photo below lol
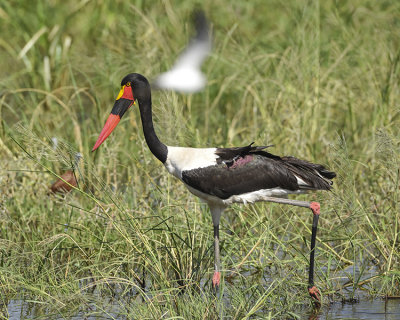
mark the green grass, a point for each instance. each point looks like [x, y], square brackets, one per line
[319, 80]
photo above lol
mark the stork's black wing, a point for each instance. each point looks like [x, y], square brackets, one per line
[246, 169]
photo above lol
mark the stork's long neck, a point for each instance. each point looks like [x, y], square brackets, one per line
[158, 148]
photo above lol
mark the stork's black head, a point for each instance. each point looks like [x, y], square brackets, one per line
[134, 86]
[139, 85]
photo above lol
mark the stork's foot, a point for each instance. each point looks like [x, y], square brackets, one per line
[216, 280]
[315, 294]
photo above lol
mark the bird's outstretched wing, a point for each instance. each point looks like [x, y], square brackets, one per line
[248, 169]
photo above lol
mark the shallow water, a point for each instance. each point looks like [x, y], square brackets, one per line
[366, 310]
[98, 306]
[378, 309]
[20, 309]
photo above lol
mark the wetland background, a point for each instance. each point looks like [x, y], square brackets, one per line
[317, 79]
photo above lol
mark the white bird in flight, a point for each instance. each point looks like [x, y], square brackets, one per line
[186, 76]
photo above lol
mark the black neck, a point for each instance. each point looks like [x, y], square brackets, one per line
[159, 149]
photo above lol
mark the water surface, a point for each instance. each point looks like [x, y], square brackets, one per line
[377, 309]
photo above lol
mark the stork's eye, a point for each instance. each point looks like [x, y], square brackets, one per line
[128, 84]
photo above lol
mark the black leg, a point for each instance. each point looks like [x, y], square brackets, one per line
[312, 289]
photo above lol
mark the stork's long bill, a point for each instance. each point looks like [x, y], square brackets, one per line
[123, 102]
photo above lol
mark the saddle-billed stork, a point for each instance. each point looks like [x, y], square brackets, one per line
[222, 176]
[185, 75]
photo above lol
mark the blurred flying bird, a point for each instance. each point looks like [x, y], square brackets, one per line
[186, 76]
[223, 176]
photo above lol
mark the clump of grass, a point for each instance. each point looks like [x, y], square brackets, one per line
[318, 80]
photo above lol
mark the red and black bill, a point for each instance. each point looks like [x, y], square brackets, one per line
[123, 102]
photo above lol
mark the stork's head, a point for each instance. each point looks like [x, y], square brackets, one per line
[133, 87]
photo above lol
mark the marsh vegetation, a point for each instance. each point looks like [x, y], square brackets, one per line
[317, 79]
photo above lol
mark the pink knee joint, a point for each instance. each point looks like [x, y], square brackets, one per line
[216, 278]
[315, 207]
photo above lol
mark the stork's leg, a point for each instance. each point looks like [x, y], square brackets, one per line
[216, 212]
[315, 208]
[312, 289]
[217, 261]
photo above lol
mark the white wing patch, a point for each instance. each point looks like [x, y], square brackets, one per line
[180, 159]
[300, 181]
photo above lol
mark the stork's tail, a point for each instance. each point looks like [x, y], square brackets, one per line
[311, 176]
